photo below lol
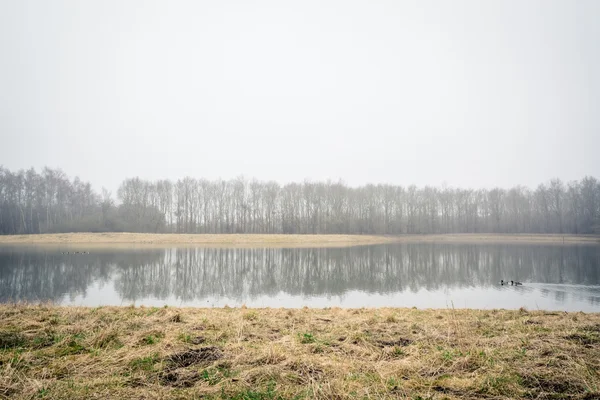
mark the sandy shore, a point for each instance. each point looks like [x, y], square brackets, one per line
[170, 353]
[259, 240]
[233, 240]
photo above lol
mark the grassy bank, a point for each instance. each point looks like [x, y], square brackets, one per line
[61, 352]
[259, 240]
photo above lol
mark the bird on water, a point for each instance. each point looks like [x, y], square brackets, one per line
[512, 283]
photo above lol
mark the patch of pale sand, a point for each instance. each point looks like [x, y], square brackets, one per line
[277, 240]
[236, 240]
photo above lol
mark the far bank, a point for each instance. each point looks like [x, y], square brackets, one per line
[277, 240]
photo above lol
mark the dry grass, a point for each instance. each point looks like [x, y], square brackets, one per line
[155, 239]
[146, 353]
[258, 240]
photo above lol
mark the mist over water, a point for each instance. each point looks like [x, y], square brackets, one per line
[398, 275]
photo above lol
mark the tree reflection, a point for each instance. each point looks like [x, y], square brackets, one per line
[192, 274]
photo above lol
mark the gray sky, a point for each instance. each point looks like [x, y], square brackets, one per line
[468, 93]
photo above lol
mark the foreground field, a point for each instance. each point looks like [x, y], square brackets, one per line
[259, 240]
[146, 353]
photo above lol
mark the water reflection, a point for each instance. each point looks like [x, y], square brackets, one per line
[425, 275]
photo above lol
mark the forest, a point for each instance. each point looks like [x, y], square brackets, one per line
[50, 202]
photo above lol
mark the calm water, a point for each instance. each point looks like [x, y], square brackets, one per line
[405, 275]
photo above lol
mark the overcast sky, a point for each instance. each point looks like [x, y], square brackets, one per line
[467, 93]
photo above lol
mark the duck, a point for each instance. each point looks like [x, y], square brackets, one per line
[515, 283]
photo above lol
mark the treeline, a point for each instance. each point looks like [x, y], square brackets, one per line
[46, 202]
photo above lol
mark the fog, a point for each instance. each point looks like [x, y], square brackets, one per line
[464, 93]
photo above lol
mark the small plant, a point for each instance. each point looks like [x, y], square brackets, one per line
[393, 384]
[225, 370]
[16, 358]
[72, 347]
[398, 352]
[145, 363]
[211, 376]
[150, 340]
[57, 338]
[447, 355]
[185, 337]
[268, 394]
[306, 338]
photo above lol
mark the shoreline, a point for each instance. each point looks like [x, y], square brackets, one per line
[147, 352]
[279, 240]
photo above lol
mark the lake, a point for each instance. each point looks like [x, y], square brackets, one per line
[427, 275]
